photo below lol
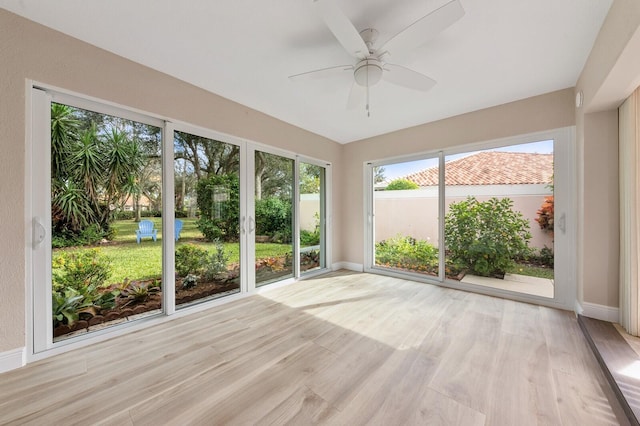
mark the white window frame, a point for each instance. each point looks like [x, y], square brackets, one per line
[327, 223]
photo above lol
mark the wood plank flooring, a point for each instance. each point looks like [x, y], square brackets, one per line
[618, 359]
[341, 349]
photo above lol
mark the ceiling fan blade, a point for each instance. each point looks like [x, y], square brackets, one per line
[322, 73]
[405, 77]
[342, 28]
[423, 29]
[357, 96]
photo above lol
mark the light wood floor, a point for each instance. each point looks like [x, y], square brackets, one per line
[343, 349]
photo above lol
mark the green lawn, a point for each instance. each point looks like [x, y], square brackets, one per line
[139, 261]
[125, 230]
[532, 271]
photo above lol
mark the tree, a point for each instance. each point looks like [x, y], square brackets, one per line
[71, 207]
[96, 164]
[274, 176]
[378, 174]
[401, 184]
[206, 156]
[310, 178]
[219, 204]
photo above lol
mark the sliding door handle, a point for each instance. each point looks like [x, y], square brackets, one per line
[562, 223]
[39, 232]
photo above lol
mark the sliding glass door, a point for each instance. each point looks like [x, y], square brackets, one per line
[499, 217]
[207, 218]
[312, 217]
[406, 210]
[274, 217]
[111, 248]
[495, 219]
[98, 241]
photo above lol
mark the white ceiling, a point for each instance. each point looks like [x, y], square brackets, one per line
[244, 50]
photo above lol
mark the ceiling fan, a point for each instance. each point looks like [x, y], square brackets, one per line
[372, 64]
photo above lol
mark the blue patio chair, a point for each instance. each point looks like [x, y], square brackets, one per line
[146, 229]
[177, 228]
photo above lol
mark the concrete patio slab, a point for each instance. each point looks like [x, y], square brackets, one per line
[513, 282]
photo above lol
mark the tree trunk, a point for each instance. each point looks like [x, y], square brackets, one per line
[137, 208]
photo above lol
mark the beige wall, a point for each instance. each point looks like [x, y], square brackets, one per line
[610, 74]
[601, 213]
[545, 112]
[31, 51]
[417, 217]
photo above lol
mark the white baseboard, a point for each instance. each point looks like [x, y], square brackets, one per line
[357, 267]
[601, 312]
[10, 360]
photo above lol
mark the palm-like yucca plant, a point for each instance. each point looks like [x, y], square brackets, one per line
[87, 161]
[64, 131]
[124, 161]
[71, 206]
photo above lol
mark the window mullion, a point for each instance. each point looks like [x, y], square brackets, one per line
[168, 224]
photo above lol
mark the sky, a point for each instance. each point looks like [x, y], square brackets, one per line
[394, 171]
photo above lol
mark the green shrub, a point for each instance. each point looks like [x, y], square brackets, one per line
[150, 213]
[190, 281]
[401, 184]
[209, 229]
[65, 306]
[92, 234]
[78, 285]
[191, 259]
[543, 257]
[219, 205]
[274, 218]
[124, 215]
[486, 236]
[217, 262]
[311, 238]
[79, 270]
[407, 253]
[308, 238]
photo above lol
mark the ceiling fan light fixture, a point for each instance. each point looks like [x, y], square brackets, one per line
[368, 72]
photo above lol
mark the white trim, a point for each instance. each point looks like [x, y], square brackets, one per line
[295, 206]
[168, 221]
[10, 360]
[99, 105]
[368, 215]
[601, 312]
[357, 267]
[273, 285]
[328, 215]
[28, 217]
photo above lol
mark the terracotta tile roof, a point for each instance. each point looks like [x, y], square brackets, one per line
[491, 168]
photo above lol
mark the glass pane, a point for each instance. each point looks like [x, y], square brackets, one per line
[106, 199]
[273, 217]
[499, 218]
[207, 223]
[406, 216]
[312, 244]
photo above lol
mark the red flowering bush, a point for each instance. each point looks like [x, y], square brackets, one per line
[545, 215]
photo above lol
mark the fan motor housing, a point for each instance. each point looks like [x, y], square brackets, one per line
[368, 72]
